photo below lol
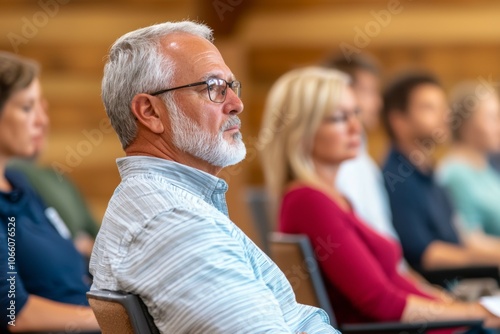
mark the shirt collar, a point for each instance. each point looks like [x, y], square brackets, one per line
[206, 186]
[400, 158]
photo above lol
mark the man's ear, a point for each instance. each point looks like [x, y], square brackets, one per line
[146, 109]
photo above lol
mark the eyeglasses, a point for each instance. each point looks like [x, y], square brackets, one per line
[343, 116]
[217, 88]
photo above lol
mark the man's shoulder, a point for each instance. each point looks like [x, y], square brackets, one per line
[141, 199]
[147, 189]
[141, 224]
[179, 224]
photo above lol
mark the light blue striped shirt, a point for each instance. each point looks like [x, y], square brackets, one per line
[167, 237]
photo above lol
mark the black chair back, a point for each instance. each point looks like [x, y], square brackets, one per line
[258, 202]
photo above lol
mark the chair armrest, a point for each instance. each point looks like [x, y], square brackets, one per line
[445, 277]
[398, 327]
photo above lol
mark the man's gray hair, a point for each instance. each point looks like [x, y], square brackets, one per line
[136, 65]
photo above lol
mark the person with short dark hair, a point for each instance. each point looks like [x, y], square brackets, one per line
[43, 277]
[415, 114]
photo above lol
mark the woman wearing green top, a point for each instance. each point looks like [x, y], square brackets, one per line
[473, 184]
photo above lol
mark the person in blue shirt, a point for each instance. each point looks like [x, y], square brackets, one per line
[43, 277]
[415, 115]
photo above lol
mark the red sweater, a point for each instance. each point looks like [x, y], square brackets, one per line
[359, 266]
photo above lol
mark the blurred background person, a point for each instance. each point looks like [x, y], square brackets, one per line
[414, 113]
[360, 179]
[315, 110]
[473, 184]
[50, 279]
[58, 192]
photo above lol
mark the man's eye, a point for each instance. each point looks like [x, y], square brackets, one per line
[26, 108]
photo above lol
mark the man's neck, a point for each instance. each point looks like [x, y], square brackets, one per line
[420, 157]
[136, 149]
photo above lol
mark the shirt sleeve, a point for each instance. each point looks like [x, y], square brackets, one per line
[13, 295]
[199, 280]
[344, 258]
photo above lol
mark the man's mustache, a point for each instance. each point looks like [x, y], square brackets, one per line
[234, 120]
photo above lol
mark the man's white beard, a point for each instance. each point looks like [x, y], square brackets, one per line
[191, 138]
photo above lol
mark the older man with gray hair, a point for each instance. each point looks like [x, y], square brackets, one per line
[166, 235]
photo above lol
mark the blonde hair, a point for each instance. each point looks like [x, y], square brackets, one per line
[294, 110]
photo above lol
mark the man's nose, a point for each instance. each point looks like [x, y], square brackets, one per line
[234, 105]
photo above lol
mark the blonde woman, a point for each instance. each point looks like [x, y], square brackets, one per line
[310, 127]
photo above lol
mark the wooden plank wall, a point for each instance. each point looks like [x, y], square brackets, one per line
[260, 39]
